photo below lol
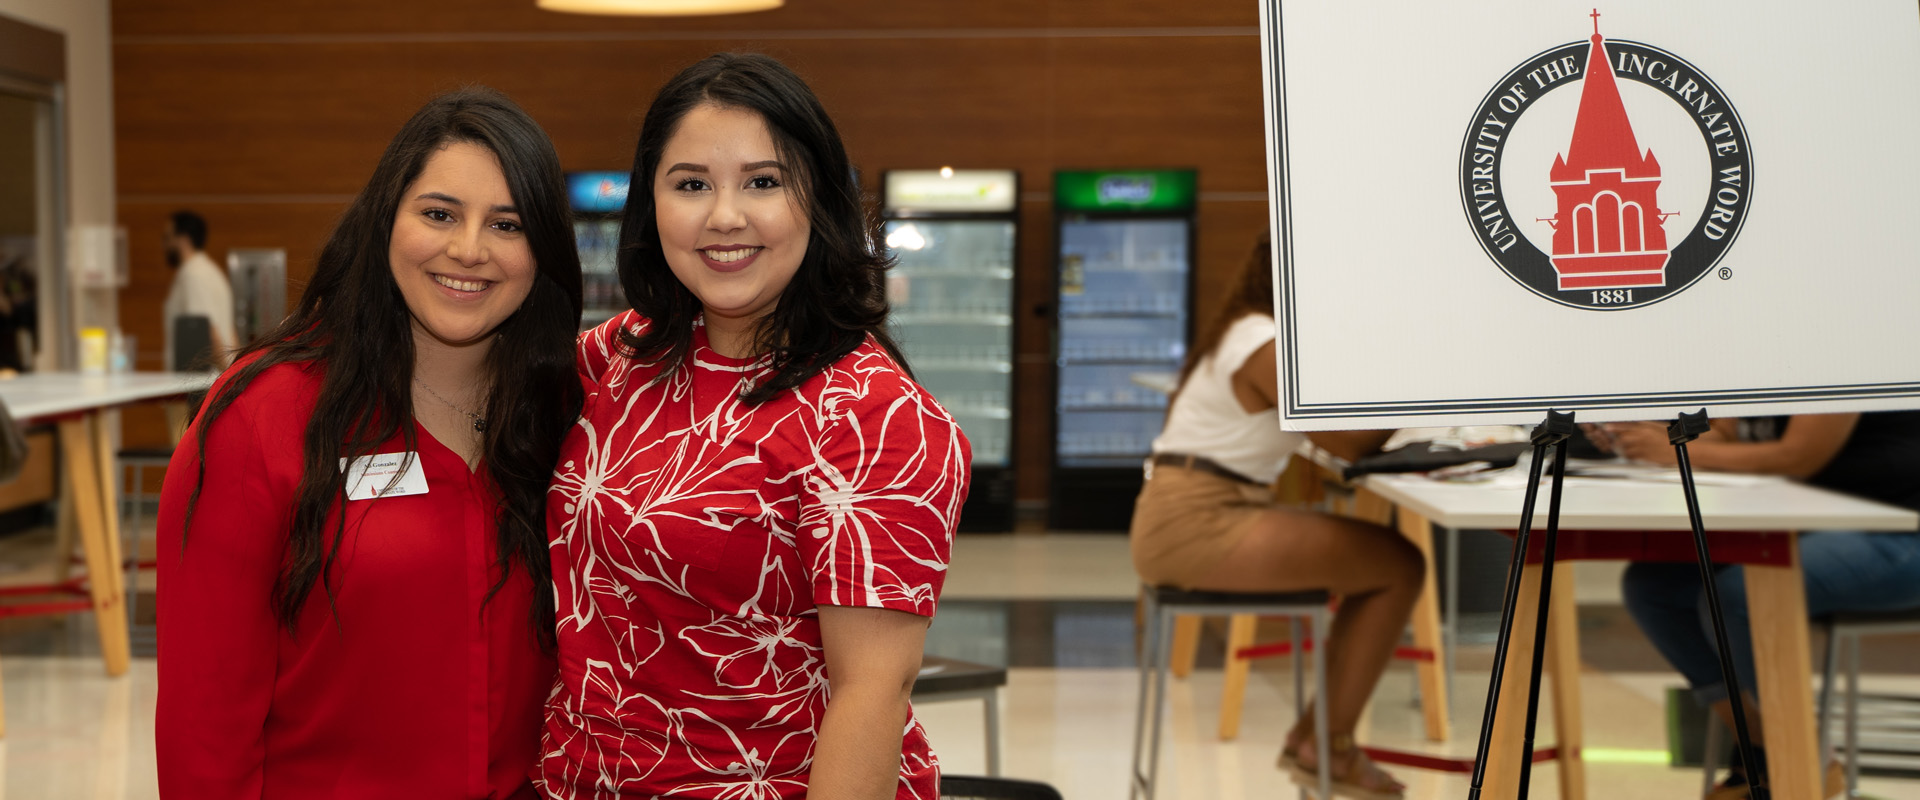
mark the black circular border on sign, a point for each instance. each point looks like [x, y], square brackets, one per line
[1692, 259]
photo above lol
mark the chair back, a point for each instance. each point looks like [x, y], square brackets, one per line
[192, 343]
[967, 787]
[193, 352]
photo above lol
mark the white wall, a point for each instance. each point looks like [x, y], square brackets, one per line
[88, 26]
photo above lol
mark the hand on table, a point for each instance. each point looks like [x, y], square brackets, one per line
[1641, 441]
[1597, 434]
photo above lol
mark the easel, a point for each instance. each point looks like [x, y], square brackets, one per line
[1553, 434]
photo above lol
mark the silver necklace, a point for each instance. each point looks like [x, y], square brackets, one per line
[479, 422]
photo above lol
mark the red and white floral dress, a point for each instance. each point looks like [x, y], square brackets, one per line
[694, 537]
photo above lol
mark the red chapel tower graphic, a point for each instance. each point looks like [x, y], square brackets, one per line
[1607, 233]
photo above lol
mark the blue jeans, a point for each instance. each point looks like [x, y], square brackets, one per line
[1845, 571]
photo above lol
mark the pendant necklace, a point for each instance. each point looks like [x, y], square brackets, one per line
[479, 422]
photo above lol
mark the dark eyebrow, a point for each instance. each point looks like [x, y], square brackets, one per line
[743, 167]
[455, 201]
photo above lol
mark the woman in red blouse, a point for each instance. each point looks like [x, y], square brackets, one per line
[755, 511]
[355, 599]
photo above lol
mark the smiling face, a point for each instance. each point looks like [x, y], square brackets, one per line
[731, 225]
[458, 252]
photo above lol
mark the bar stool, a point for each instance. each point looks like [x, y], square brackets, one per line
[1850, 627]
[135, 461]
[943, 679]
[1844, 631]
[1161, 605]
[966, 787]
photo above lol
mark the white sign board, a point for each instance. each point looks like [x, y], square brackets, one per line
[1483, 211]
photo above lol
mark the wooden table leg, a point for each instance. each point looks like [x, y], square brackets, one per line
[1233, 688]
[1777, 607]
[1370, 507]
[176, 411]
[1509, 727]
[1186, 644]
[102, 424]
[1509, 723]
[1426, 631]
[1563, 670]
[80, 446]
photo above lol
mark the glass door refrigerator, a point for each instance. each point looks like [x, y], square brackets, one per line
[1124, 260]
[597, 199]
[953, 232]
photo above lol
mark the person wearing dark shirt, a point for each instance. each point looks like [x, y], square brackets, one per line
[1873, 455]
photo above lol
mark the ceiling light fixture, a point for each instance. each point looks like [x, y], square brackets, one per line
[658, 8]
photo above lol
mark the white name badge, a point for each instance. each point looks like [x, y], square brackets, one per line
[372, 476]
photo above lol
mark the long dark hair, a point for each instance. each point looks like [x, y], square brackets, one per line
[353, 322]
[1250, 293]
[836, 299]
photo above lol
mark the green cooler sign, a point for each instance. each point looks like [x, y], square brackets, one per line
[1134, 190]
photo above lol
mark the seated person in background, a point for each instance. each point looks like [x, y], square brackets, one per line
[1873, 455]
[1207, 520]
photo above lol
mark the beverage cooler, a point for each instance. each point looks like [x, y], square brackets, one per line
[953, 233]
[1125, 274]
[597, 199]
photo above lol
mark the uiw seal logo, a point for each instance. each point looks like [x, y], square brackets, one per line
[1606, 174]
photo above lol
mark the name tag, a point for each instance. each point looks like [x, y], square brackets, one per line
[374, 476]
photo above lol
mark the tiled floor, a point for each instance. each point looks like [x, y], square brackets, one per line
[1058, 608]
[1072, 728]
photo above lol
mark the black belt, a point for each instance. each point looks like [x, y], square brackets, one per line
[1201, 464]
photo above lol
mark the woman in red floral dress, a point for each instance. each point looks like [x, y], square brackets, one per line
[751, 522]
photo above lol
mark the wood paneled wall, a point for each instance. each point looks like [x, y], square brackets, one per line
[266, 118]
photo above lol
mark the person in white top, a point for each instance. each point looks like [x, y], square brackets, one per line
[1207, 520]
[199, 288]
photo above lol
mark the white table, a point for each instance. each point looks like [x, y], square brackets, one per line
[1750, 522]
[72, 402]
[42, 396]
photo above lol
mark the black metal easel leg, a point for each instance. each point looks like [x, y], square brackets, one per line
[1683, 430]
[1544, 436]
[1546, 594]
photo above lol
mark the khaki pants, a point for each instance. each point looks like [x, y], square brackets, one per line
[1186, 522]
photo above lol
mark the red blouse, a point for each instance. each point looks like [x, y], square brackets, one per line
[694, 536]
[407, 687]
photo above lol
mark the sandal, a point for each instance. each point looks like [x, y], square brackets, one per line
[1354, 774]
